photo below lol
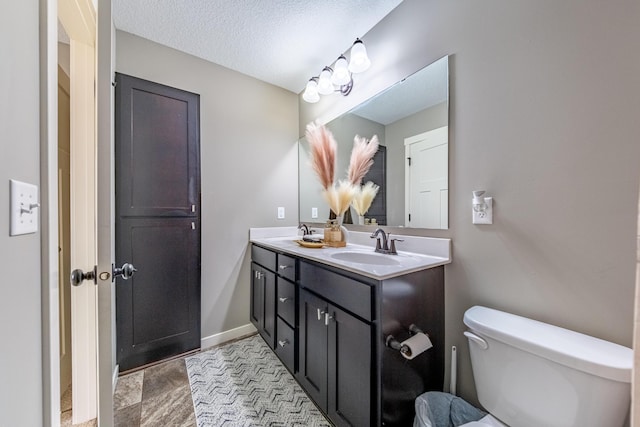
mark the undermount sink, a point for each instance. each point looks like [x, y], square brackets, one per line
[365, 258]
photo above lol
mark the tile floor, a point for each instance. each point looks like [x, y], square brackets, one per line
[159, 395]
[156, 396]
[65, 409]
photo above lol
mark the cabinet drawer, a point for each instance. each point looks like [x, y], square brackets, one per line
[287, 267]
[348, 293]
[287, 301]
[285, 345]
[264, 257]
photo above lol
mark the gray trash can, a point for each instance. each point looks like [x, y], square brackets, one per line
[438, 409]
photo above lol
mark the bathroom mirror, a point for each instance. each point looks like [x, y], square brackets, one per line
[411, 120]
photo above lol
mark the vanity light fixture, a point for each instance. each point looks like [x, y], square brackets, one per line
[311, 94]
[482, 208]
[339, 78]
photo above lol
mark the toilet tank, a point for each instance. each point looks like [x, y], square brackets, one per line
[532, 374]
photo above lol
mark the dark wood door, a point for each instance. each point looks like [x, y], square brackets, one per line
[157, 155]
[312, 374]
[349, 370]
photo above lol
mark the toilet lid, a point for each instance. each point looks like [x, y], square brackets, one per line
[486, 421]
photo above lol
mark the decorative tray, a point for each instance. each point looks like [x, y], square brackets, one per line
[310, 244]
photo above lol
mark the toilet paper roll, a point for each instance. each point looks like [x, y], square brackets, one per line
[419, 343]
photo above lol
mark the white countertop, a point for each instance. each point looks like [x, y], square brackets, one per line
[426, 252]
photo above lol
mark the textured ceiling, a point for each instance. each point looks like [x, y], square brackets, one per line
[283, 42]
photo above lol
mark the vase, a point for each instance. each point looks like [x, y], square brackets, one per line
[361, 220]
[335, 234]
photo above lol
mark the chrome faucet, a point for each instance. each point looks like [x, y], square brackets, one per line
[384, 247]
[305, 229]
[380, 248]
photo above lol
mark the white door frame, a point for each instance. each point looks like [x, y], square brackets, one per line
[105, 175]
[100, 137]
[49, 211]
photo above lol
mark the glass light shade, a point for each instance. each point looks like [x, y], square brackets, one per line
[325, 87]
[341, 75]
[311, 92]
[359, 58]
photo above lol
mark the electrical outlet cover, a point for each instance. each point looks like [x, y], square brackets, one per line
[485, 217]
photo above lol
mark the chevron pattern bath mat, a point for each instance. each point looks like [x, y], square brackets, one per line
[243, 384]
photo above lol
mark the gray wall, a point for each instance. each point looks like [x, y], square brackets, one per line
[544, 103]
[248, 135]
[20, 327]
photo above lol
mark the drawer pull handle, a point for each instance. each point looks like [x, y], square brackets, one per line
[283, 299]
[283, 343]
[320, 313]
[327, 317]
[284, 267]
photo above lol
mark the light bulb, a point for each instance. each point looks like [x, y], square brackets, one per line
[325, 86]
[311, 92]
[341, 75]
[359, 58]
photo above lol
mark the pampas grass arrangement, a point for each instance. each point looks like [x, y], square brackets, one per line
[364, 197]
[347, 192]
[339, 197]
[323, 153]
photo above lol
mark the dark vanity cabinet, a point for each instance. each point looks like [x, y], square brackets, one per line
[273, 301]
[335, 360]
[332, 336]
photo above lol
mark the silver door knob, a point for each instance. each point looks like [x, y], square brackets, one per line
[78, 276]
[126, 271]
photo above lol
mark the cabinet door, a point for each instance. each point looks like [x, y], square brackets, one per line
[312, 373]
[257, 296]
[349, 369]
[263, 303]
[268, 330]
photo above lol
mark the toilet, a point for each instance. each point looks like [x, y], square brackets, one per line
[532, 374]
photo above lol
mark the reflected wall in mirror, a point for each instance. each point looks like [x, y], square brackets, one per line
[411, 120]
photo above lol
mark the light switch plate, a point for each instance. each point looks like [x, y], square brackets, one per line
[280, 213]
[314, 212]
[24, 207]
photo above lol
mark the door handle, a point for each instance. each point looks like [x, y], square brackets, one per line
[126, 271]
[78, 276]
[320, 313]
[283, 300]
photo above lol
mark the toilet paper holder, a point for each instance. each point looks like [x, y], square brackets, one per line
[393, 343]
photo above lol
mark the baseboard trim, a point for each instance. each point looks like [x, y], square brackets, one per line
[222, 337]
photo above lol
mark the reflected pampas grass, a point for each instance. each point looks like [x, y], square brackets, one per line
[363, 197]
[361, 158]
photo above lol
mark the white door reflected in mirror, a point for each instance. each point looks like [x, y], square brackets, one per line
[426, 179]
